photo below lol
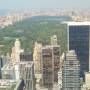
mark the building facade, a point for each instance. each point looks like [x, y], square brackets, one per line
[3, 60]
[62, 57]
[56, 57]
[26, 56]
[10, 71]
[27, 74]
[37, 57]
[71, 72]
[50, 64]
[78, 40]
[7, 84]
[16, 50]
[47, 67]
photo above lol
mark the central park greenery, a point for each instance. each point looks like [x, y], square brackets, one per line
[30, 30]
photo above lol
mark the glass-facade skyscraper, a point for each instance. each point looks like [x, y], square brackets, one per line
[78, 40]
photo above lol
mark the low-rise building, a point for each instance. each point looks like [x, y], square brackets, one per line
[11, 84]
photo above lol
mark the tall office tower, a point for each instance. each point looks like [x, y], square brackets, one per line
[47, 66]
[16, 50]
[54, 40]
[37, 57]
[56, 57]
[27, 74]
[50, 64]
[71, 72]
[78, 40]
[26, 56]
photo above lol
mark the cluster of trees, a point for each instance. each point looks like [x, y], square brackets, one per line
[34, 29]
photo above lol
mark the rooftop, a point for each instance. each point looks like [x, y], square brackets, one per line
[71, 54]
[7, 84]
[11, 66]
[77, 23]
[50, 46]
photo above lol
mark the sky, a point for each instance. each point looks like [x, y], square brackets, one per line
[44, 4]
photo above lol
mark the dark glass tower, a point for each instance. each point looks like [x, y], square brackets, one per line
[78, 40]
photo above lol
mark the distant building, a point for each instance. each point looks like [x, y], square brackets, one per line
[71, 72]
[37, 57]
[86, 84]
[54, 40]
[56, 58]
[16, 50]
[26, 56]
[78, 40]
[50, 61]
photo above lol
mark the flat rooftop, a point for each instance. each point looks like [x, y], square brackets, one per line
[50, 46]
[73, 23]
[7, 84]
[11, 66]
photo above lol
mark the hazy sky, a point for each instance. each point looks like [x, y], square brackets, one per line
[44, 4]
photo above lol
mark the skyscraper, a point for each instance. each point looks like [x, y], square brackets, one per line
[78, 40]
[71, 72]
[16, 50]
[47, 66]
[50, 61]
[37, 57]
[8, 84]
[56, 57]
